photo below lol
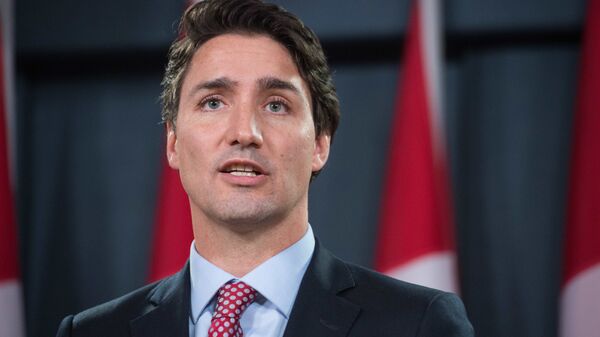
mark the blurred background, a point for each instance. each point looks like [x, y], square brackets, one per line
[90, 145]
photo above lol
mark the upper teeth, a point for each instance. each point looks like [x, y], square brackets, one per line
[243, 173]
[242, 170]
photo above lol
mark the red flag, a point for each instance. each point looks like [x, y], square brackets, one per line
[415, 240]
[580, 298]
[11, 312]
[173, 228]
[173, 231]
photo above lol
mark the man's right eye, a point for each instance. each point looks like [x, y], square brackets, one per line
[212, 104]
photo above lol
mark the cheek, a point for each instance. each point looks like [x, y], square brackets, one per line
[192, 149]
[297, 155]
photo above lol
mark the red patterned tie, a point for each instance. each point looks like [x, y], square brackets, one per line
[232, 300]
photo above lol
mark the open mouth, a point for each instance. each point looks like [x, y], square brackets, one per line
[242, 168]
[242, 171]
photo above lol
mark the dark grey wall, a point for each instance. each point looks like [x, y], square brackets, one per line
[90, 143]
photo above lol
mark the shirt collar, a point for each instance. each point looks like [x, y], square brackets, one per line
[289, 265]
[205, 279]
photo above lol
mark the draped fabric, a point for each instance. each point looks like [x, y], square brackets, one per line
[11, 302]
[416, 235]
[581, 274]
[173, 224]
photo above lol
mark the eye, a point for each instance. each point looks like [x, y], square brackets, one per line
[277, 107]
[211, 103]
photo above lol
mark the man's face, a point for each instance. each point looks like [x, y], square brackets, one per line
[244, 141]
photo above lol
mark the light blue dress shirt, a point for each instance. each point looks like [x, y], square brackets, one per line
[277, 280]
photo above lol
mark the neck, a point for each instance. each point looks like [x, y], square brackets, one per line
[238, 249]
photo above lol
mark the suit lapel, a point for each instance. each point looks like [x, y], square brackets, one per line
[318, 310]
[167, 310]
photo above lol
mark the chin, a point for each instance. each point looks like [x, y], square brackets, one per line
[249, 218]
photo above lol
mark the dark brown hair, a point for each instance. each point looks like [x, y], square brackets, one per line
[211, 18]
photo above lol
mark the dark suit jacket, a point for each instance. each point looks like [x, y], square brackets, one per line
[335, 299]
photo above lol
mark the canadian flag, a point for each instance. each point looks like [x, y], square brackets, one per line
[580, 298]
[11, 307]
[173, 225]
[415, 241]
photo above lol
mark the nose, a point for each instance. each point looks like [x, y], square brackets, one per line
[244, 129]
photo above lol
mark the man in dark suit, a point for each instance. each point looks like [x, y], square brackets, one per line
[250, 110]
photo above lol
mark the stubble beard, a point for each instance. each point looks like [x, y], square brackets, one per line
[244, 213]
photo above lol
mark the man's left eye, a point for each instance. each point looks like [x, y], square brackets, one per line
[276, 107]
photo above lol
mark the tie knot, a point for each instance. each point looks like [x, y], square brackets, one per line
[233, 299]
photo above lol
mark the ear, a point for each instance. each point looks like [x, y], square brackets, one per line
[172, 154]
[322, 144]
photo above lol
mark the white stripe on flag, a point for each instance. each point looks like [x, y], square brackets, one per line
[435, 270]
[432, 51]
[580, 305]
[11, 310]
[7, 11]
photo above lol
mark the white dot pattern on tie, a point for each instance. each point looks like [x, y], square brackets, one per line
[232, 300]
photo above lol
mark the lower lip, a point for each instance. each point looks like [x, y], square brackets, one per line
[246, 181]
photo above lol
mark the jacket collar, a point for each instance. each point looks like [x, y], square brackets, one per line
[167, 310]
[318, 310]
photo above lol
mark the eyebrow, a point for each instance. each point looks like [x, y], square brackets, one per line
[218, 83]
[267, 83]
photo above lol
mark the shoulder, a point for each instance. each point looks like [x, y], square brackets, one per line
[372, 284]
[405, 306]
[113, 318]
[110, 317]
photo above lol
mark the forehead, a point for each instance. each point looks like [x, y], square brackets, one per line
[242, 57]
